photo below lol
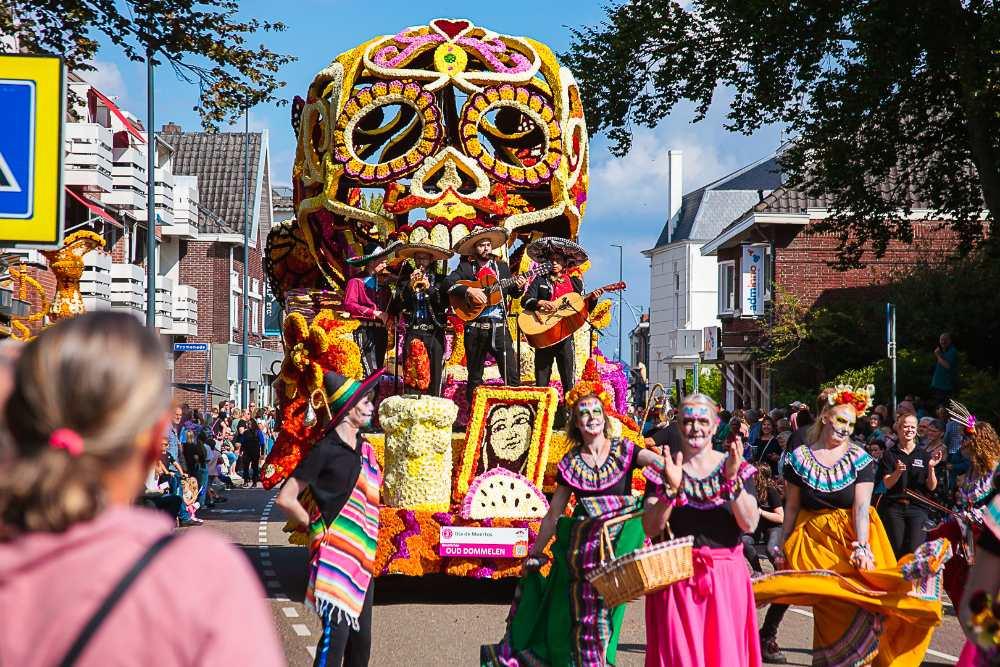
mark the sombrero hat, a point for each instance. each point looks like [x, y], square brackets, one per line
[464, 246]
[375, 252]
[436, 252]
[343, 393]
[550, 247]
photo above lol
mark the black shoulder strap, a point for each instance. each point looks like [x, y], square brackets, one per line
[90, 629]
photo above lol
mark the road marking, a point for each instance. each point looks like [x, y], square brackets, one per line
[300, 629]
[930, 651]
[312, 651]
[281, 598]
[290, 612]
[270, 573]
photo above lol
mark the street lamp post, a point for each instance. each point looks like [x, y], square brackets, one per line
[620, 297]
[245, 355]
[150, 197]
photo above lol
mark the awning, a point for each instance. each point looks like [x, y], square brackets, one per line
[199, 387]
[94, 208]
[129, 125]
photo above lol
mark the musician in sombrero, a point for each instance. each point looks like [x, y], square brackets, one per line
[421, 299]
[542, 296]
[488, 331]
[366, 298]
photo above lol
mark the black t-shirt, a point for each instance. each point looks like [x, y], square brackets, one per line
[771, 503]
[331, 470]
[989, 543]
[914, 477]
[828, 487]
[669, 435]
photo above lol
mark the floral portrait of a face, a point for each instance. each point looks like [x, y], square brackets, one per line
[508, 438]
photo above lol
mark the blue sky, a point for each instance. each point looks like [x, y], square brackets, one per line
[628, 196]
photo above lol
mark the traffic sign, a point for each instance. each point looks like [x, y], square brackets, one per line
[190, 347]
[32, 94]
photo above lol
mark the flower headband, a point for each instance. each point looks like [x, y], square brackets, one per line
[589, 384]
[960, 414]
[860, 398]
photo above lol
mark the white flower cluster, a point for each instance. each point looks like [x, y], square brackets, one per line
[418, 460]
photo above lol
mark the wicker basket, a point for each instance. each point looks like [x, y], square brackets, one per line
[644, 571]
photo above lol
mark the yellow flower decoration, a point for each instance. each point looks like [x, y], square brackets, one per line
[600, 316]
[304, 345]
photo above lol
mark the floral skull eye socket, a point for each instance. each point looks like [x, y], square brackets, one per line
[843, 421]
[589, 411]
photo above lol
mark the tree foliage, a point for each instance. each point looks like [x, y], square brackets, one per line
[205, 42]
[890, 103]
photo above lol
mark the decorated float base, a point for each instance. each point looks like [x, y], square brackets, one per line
[409, 542]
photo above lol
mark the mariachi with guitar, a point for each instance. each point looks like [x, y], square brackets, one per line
[478, 291]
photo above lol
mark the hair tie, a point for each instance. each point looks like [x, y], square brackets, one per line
[67, 439]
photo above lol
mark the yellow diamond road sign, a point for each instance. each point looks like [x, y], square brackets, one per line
[31, 150]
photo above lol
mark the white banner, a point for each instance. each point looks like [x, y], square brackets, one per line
[711, 337]
[752, 258]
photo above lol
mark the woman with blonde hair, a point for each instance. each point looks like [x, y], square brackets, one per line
[868, 609]
[561, 619]
[82, 573]
[708, 619]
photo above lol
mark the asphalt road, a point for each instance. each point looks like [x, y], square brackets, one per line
[442, 620]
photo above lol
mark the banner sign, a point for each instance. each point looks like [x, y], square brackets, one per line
[711, 337]
[752, 258]
[272, 315]
[483, 542]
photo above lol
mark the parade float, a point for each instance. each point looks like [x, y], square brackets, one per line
[423, 137]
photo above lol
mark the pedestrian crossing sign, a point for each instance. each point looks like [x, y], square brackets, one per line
[32, 93]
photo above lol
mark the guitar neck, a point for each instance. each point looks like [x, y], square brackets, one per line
[613, 287]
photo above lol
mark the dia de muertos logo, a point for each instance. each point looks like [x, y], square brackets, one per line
[446, 533]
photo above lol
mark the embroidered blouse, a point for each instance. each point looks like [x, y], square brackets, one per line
[613, 478]
[705, 514]
[826, 487]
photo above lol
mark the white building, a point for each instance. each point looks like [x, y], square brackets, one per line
[684, 284]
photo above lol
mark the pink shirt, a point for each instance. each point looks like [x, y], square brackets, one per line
[361, 301]
[198, 603]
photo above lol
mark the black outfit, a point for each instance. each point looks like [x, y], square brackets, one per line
[860, 469]
[562, 353]
[766, 530]
[669, 436]
[331, 470]
[903, 517]
[487, 334]
[769, 453]
[250, 451]
[425, 315]
[799, 436]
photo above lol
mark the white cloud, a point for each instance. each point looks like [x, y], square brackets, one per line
[107, 78]
[637, 183]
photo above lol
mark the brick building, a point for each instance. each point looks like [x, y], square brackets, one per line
[767, 250]
[210, 259]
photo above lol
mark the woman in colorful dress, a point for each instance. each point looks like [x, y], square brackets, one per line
[561, 619]
[334, 494]
[981, 447]
[867, 608]
[710, 618]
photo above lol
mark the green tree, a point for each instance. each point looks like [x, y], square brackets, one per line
[889, 102]
[232, 73]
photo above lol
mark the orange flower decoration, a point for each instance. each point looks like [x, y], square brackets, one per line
[590, 383]
[417, 373]
[304, 345]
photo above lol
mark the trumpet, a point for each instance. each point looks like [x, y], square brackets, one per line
[419, 282]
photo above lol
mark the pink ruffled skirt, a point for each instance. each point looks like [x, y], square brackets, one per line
[708, 620]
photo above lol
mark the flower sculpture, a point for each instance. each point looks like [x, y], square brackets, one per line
[600, 316]
[67, 265]
[860, 397]
[304, 345]
[342, 354]
[417, 373]
[418, 460]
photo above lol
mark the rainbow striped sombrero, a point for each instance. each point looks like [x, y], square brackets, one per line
[343, 393]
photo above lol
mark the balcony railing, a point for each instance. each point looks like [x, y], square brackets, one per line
[128, 289]
[164, 303]
[88, 157]
[95, 283]
[185, 311]
[684, 342]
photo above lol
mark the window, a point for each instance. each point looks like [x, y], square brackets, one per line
[253, 316]
[677, 282]
[727, 287]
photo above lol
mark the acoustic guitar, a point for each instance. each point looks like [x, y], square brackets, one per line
[487, 281]
[572, 310]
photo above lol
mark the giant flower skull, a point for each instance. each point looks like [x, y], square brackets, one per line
[454, 127]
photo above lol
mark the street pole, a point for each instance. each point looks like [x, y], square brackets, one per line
[150, 197]
[245, 356]
[890, 338]
[620, 296]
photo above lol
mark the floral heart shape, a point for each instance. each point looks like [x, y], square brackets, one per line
[451, 28]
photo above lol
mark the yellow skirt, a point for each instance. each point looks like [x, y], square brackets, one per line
[883, 617]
